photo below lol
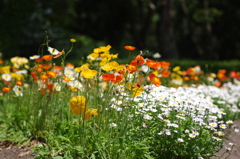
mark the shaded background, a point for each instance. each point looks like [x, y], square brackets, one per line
[177, 29]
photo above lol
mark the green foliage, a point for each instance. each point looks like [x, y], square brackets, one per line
[200, 29]
[207, 66]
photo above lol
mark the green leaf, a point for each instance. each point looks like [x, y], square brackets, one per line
[58, 157]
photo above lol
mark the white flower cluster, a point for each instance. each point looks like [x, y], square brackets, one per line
[201, 105]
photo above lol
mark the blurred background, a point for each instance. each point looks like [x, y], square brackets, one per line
[177, 29]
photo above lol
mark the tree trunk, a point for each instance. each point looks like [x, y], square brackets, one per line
[166, 38]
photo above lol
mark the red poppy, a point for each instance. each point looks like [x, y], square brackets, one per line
[129, 48]
[38, 60]
[234, 74]
[33, 74]
[112, 78]
[107, 77]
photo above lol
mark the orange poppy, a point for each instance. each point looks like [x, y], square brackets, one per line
[69, 65]
[19, 83]
[190, 71]
[129, 48]
[195, 78]
[43, 76]
[38, 65]
[138, 61]
[47, 57]
[186, 78]
[51, 74]
[153, 64]
[6, 89]
[66, 79]
[131, 68]
[42, 90]
[39, 70]
[217, 84]
[59, 54]
[165, 73]
[154, 79]
[57, 69]
[46, 66]
[165, 65]
[221, 74]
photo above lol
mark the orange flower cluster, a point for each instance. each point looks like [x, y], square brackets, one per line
[222, 75]
[160, 67]
[43, 72]
[192, 73]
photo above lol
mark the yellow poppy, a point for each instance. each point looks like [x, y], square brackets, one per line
[110, 66]
[78, 104]
[73, 40]
[90, 113]
[88, 73]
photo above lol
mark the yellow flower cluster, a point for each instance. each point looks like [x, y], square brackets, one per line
[5, 69]
[102, 54]
[19, 61]
[19, 77]
[177, 73]
[86, 72]
[112, 66]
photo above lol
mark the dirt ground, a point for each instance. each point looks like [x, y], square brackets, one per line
[233, 138]
[9, 151]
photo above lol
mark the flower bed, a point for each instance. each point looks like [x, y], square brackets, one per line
[103, 109]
